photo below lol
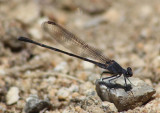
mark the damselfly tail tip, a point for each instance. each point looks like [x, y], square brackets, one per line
[21, 38]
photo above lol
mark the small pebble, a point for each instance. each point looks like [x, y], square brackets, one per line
[113, 15]
[79, 109]
[90, 92]
[87, 65]
[93, 77]
[156, 61]
[3, 107]
[2, 72]
[94, 109]
[87, 85]
[92, 104]
[60, 67]
[82, 76]
[74, 88]
[75, 95]
[33, 91]
[148, 81]
[26, 13]
[63, 93]
[145, 11]
[146, 33]
[109, 107]
[12, 95]
[35, 105]
[52, 92]
[35, 32]
[51, 80]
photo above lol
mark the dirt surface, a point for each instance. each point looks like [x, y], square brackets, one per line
[126, 31]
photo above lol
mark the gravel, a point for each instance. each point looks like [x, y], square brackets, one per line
[125, 31]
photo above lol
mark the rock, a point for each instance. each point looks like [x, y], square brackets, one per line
[94, 109]
[12, 95]
[61, 67]
[110, 107]
[2, 71]
[3, 91]
[82, 76]
[124, 98]
[146, 33]
[3, 107]
[145, 11]
[148, 81]
[11, 30]
[20, 104]
[156, 61]
[35, 105]
[51, 80]
[85, 86]
[63, 93]
[35, 33]
[87, 65]
[93, 77]
[92, 104]
[79, 109]
[73, 88]
[113, 15]
[26, 13]
[75, 95]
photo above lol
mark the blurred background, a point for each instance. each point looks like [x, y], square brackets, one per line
[126, 31]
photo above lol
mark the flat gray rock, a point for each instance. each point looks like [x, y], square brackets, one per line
[124, 98]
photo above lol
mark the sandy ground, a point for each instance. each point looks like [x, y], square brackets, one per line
[126, 31]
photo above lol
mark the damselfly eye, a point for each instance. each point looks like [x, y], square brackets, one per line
[129, 71]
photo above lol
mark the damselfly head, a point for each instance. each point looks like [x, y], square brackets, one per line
[129, 72]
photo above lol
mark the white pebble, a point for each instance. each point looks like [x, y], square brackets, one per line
[35, 33]
[74, 88]
[2, 72]
[12, 95]
[87, 65]
[145, 11]
[63, 93]
[61, 66]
